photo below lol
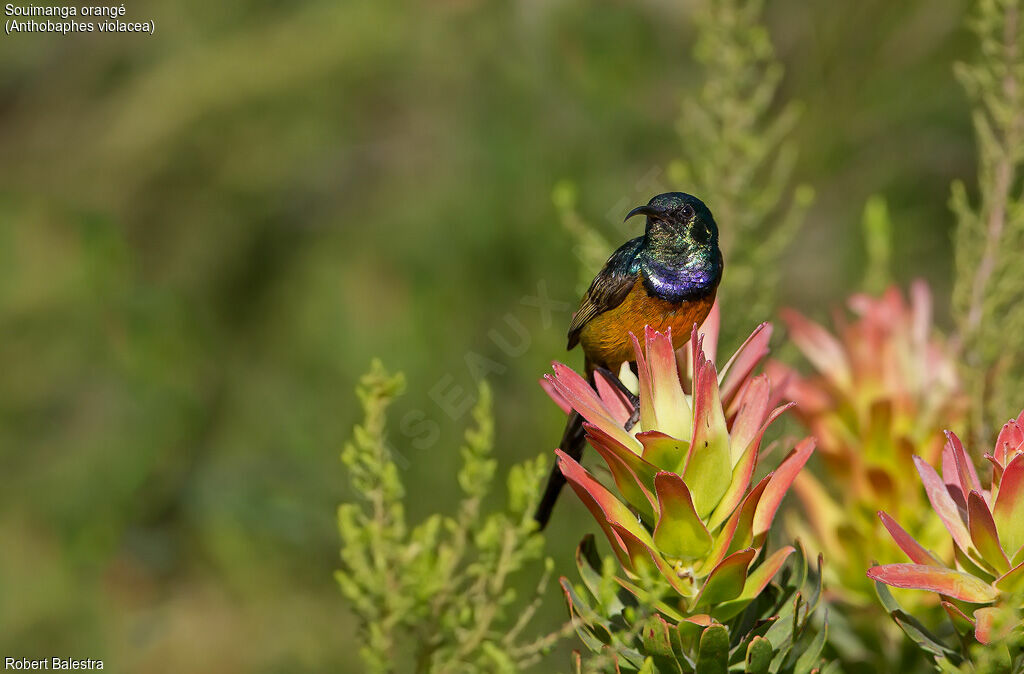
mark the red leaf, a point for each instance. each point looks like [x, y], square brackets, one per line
[781, 478]
[952, 583]
[633, 476]
[753, 408]
[743, 362]
[601, 503]
[984, 534]
[906, 542]
[585, 400]
[642, 552]
[1008, 510]
[965, 469]
[743, 472]
[942, 504]
[820, 347]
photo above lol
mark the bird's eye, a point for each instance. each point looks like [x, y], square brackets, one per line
[686, 211]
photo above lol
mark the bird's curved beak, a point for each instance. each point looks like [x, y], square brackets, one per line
[655, 212]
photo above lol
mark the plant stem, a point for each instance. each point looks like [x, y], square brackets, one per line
[1005, 173]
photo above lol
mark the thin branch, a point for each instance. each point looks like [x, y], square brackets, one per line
[1005, 173]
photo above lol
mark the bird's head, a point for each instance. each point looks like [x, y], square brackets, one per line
[678, 219]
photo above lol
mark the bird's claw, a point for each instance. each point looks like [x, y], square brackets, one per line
[634, 400]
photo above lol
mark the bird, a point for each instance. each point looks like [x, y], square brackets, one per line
[667, 278]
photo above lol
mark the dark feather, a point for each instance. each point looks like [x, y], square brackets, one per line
[609, 288]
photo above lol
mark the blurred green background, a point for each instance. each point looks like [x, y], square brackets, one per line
[205, 235]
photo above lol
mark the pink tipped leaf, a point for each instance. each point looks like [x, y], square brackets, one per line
[743, 362]
[753, 409]
[820, 347]
[599, 501]
[1008, 511]
[585, 400]
[1010, 438]
[736, 532]
[997, 471]
[942, 504]
[983, 533]
[963, 623]
[552, 391]
[955, 584]
[709, 331]
[679, 532]
[648, 411]
[632, 475]
[759, 578]
[781, 478]
[743, 472]
[989, 625]
[964, 468]
[951, 478]
[708, 469]
[670, 405]
[910, 547]
[757, 581]
[643, 469]
[726, 580]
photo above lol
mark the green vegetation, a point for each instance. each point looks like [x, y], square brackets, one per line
[438, 592]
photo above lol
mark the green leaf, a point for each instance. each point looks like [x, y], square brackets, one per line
[663, 451]
[754, 584]
[708, 470]
[713, 652]
[983, 533]
[809, 658]
[911, 627]
[961, 622]
[656, 637]
[679, 532]
[588, 562]
[592, 629]
[1008, 510]
[727, 579]
[1012, 582]
[759, 656]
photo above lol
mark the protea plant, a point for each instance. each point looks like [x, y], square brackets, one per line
[683, 514]
[882, 389]
[983, 592]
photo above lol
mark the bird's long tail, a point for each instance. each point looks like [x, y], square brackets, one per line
[572, 444]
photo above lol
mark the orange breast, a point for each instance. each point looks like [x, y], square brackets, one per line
[605, 339]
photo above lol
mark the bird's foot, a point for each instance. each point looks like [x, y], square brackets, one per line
[634, 400]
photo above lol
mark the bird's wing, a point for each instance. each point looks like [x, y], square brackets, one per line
[608, 289]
